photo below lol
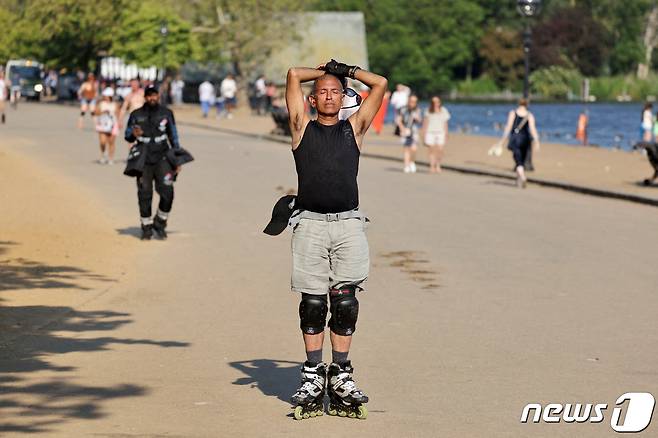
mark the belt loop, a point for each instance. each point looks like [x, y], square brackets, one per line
[332, 217]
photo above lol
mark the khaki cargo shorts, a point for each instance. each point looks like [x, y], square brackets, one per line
[329, 255]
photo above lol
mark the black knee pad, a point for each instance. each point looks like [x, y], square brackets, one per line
[313, 313]
[82, 113]
[344, 310]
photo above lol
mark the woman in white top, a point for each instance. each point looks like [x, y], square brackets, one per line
[107, 126]
[647, 122]
[435, 132]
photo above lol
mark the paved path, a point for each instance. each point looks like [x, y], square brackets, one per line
[592, 170]
[482, 298]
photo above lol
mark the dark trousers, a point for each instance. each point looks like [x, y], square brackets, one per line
[163, 175]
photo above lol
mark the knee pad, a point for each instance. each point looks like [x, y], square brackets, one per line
[82, 113]
[313, 313]
[344, 310]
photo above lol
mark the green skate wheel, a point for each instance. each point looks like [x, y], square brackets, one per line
[319, 412]
[332, 411]
[351, 414]
[362, 414]
[298, 412]
[342, 413]
[306, 415]
[312, 414]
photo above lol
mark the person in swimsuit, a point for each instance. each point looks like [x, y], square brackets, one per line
[87, 94]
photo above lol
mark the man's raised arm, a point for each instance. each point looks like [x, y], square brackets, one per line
[295, 98]
[362, 119]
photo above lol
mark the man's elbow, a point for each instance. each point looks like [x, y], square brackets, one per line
[292, 74]
[382, 82]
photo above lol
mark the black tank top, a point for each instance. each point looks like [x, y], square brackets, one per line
[524, 132]
[327, 162]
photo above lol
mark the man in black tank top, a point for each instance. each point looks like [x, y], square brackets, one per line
[329, 246]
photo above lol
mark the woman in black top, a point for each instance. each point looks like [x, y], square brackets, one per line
[522, 133]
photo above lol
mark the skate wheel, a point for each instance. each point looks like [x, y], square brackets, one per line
[332, 411]
[312, 414]
[320, 413]
[306, 415]
[342, 413]
[362, 413]
[351, 414]
[298, 413]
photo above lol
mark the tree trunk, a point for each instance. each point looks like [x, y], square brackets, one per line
[649, 43]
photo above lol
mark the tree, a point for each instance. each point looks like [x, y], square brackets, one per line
[244, 32]
[502, 55]
[65, 33]
[421, 43]
[650, 40]
[139, 40]
[571, 38]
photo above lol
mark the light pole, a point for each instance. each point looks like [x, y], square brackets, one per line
[164, 32]
[528, 9]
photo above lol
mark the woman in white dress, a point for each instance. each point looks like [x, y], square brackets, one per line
[107, 126]
[435, 132]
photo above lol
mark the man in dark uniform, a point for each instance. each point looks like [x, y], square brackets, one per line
[154, 127]
[329, 245]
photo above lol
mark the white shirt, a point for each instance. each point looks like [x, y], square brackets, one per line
[436, 122]
[177, 85]
[647, 119]
[228, 88]
[3, 90]
[260, 87]
[399, 99]
[206, 92]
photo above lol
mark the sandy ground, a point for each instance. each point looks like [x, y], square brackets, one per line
[482, 298]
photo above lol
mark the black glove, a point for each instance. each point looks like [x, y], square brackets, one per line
[340, 69]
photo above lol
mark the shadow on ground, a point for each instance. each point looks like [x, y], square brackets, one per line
[506, 183]
[274, 378]
[37, 394]
[136, 232]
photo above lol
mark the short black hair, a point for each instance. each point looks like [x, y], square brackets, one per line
[341, 79]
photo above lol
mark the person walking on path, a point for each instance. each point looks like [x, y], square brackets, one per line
[647, 122]
[260, 88]
[153, 126]
[107, 125]
[400, 97]
[133, 101]
[228, 89]
[435, 132]
[177, 86]
[522, 132]
[581, 129]
[206, 97]
[329, 246]
[408, 121]
[87, 93]
[4, 92]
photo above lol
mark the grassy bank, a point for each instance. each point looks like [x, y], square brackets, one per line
[556, 84]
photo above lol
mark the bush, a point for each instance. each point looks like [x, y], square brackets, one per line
[476, 87]
[556, 82]
[610, 88]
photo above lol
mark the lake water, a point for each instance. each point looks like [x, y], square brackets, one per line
[613, 125]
